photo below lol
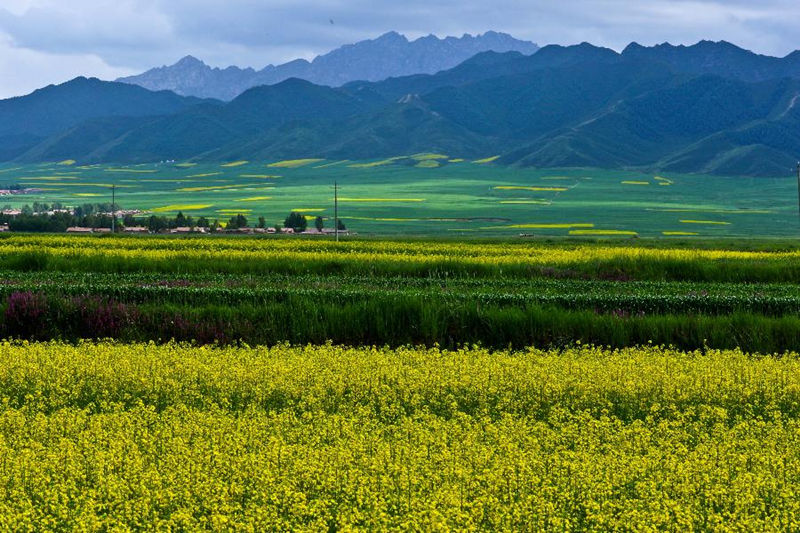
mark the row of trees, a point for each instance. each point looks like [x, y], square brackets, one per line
[298, 222]
[40, 218]
[55, 223]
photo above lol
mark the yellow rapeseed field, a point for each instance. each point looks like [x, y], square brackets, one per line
[545, 226]
[254, 199]
[131, 170]
[216, 187]
[106, 437]
[374, 164]
[602, 232]
[534, 202]
[256, 255]
[294, 163]
[181, 207]
[529, 188]
[709, 222]
[379, 200]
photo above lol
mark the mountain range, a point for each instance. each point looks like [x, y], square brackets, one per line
[707, 108]
[390, 55]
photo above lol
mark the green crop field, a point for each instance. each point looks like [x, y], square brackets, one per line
[428, 195]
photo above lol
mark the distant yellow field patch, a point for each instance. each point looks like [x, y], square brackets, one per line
[186, 165]
[602, 232]
[381, 163]
[262, 176]
[428, 163]
[308, 209]
[679, 233]
[456, 160]
[429, 157]
[629, 182]
[711, 222]
[209, 174]
[156, 180]
[254, 199]
[526, 188]
[534, 202]
[376, 200]
[215, 187]
[181, 207]
[233, 164]
[10, 169]
[234, 211]
[550, 226]
[103, 185]
[294, 163]
[87, 194]
[333, 164]
[67, 162]
[131, 170]
[487, 160]
[51, 178]
[718, 211]
[403, 219]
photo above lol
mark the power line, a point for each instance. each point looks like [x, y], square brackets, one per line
[336, 204]
[113, 209]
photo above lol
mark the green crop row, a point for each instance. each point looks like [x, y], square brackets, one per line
[604, 297]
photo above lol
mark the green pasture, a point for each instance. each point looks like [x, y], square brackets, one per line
[426, 195]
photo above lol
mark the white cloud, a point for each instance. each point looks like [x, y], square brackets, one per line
[23, 70]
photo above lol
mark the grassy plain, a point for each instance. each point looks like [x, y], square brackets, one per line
[462, 198]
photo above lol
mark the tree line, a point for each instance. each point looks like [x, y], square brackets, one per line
[54, 218]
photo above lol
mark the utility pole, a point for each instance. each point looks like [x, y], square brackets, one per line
[113, 209]
[336, 203]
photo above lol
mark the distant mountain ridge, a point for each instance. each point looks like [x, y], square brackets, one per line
[390, 55]
[706, 108]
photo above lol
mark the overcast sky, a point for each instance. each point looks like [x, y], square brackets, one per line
[50, 41]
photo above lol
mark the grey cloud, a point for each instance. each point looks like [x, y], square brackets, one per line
[137, 34]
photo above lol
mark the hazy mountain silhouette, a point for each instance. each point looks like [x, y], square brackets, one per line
[711, 108]
[389, 55]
